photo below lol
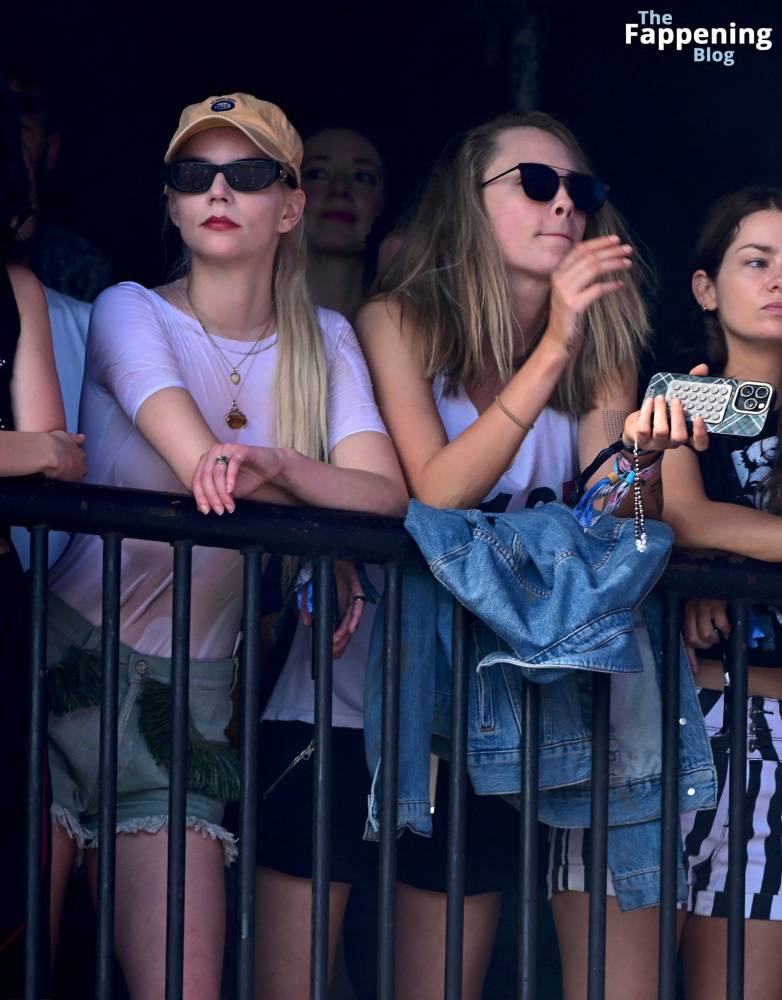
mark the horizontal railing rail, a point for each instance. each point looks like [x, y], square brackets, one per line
[170, 517]
[322, 536]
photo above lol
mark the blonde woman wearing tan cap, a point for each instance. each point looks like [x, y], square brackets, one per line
[226, 377]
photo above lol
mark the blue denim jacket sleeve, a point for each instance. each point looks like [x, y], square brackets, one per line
[418, 665]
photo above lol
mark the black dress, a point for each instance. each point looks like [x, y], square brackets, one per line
[14, 707]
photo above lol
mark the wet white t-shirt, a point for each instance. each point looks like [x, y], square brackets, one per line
[138, 344]
[543, 470]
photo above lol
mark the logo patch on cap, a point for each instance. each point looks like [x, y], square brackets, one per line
[224, 104]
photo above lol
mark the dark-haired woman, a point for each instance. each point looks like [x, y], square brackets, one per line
[32, 440]
[504, 355]
[729, 497]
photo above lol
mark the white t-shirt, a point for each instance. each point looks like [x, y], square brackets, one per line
[139, 344]
[541, 471]
[69, 319]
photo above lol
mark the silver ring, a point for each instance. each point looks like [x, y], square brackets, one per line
[222, 460]
[358, 597]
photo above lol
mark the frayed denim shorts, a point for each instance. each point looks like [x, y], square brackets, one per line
[143, 740]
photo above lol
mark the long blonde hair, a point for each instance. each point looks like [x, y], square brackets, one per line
[449, 274]
[301, 379]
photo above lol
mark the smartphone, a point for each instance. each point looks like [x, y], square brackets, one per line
[728, 405]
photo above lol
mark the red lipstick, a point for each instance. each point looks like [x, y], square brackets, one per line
[219, 222]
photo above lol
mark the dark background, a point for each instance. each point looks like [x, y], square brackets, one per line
[668, 134]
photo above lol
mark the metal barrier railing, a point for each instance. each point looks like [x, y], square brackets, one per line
[324, 536]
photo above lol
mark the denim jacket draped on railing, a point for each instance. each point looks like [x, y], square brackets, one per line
[553, 602]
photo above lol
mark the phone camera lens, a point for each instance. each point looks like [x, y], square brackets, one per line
[761, 392]
[750, 404]
[745, 391]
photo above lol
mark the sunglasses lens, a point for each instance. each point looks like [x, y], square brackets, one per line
[538, 181]
[194, 176]
[541, 183]
[251, 175]
[588, 193]
[189, 176]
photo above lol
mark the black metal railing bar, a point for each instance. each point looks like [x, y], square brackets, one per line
[108, 766]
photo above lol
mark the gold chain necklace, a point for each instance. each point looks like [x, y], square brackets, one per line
[235, 418]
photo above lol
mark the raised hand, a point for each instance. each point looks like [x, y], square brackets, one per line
[581, 279]
[654, 430]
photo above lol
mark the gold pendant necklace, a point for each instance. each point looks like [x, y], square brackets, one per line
[235, 418]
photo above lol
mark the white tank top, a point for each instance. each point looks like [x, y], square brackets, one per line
[544, 467]
[543, 470]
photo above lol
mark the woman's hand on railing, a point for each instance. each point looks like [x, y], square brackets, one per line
[66, 456]
[228, 472]
[704, 621]
[652, 428]
[350, 599]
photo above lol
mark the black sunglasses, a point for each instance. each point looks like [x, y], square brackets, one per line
[541, 183]
[195, 176]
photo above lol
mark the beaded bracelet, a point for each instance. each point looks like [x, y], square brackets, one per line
[624, 465]
[613, 488]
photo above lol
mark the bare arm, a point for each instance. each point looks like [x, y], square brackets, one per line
[600, 427]
[597, 428]
[702, 523]
[35, 390]
[40, 443]
[363, 474]
[174, 426]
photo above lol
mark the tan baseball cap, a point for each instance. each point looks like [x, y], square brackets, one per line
[262, 122]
